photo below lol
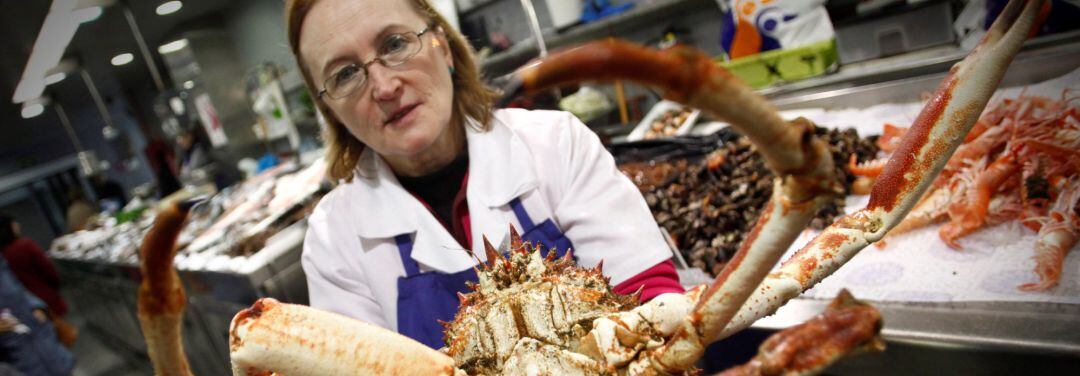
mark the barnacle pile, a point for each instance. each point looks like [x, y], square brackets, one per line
[707, 207]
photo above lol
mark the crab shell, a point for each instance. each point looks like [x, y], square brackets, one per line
[531, 314]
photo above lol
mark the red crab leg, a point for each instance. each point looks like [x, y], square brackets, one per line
[802, 162]
[936, 133]
[161, 298]
[847, 326]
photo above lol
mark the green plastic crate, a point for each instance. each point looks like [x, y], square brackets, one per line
[785, 65]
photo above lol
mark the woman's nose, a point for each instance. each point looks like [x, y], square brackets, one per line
[384, 83]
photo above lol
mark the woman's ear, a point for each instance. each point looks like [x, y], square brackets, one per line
[442, 44]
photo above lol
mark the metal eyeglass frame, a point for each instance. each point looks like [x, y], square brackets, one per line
[381, 60]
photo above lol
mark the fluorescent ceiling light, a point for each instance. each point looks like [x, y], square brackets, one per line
[55, 77]
[122, 59]
[169, 7]
[55, 35]
[173, 46]
[30, 110]
[87, 14]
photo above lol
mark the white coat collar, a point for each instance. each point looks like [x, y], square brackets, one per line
[500, 165]
[500, 169]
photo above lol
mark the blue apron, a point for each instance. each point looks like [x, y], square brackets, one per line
[424, 299]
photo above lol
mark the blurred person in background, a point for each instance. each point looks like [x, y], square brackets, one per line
[198, 165]
[193, 153]
[110, 194]
[163, 162]
[79, 211]
[36, 273]
[28, 342]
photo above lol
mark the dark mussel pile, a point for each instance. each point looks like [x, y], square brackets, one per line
[707, 204]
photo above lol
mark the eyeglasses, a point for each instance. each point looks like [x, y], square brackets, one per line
[395, 49]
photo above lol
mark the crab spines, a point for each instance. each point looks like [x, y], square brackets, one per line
[551, 256]
[636, 296]
[515, 239]
[491, 253]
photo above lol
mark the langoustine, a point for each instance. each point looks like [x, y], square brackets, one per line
[1022, 161]
[1058, 234]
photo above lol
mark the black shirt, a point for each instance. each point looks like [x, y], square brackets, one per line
[442, 192]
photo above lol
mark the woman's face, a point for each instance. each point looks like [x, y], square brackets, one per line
[400, 111]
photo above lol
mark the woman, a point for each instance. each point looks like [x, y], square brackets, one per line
[31, 266]
[429, 168]
[37, 273]
[27, 341]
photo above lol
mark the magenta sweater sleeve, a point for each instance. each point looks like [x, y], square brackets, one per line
[659, 279]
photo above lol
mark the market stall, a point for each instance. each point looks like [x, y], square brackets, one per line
[240, 244]
[971, 284]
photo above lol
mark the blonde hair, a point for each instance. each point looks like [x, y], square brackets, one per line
[472, 98]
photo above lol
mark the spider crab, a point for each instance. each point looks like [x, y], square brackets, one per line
[668, 334]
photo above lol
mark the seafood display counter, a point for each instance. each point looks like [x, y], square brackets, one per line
[241, 244]
[958, 311]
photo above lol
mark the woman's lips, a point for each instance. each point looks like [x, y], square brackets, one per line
[401, 116]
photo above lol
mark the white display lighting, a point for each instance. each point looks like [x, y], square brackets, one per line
[169, 7]
[122, 59]
[32, 110]
[54, 78]
[85, 15]
[173, 46]
[189, 84]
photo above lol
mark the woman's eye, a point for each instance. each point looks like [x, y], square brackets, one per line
[345, 74]
[395, 43]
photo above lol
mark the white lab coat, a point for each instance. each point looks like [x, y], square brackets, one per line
[549, 159]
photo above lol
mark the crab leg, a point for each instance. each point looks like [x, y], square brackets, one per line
[936, 133]
[690, 77]
[806, 174]
[161, 298]
[291, 339]
[847, 326]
